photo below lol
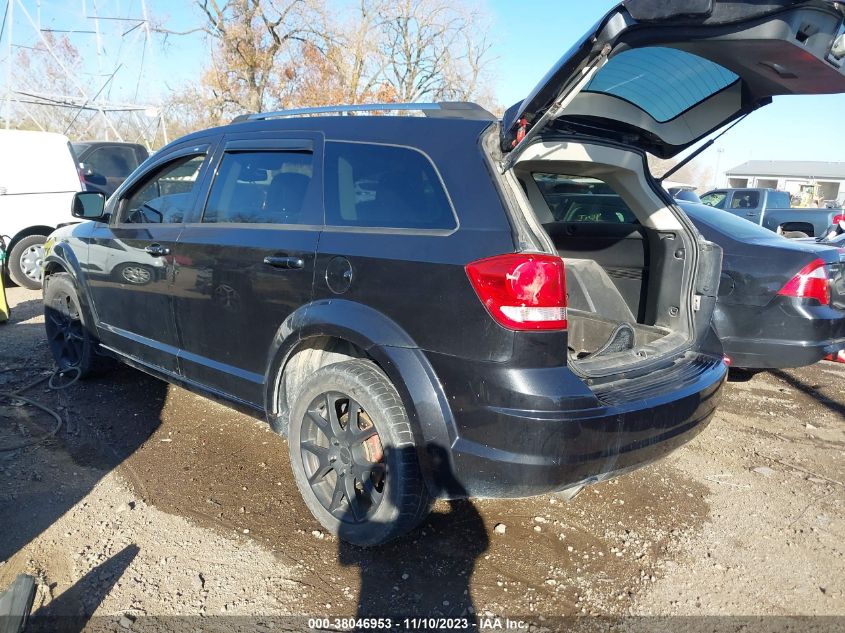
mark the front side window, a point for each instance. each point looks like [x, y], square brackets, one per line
[745, 200]
[165, 197]
[260, 187]
[580, 199]
[715, 199]
[382, 186]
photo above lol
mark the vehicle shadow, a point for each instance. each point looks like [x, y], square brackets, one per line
[24, 311]
[72, 610]
[425, 574]
[54, 472]
[810, 390]
[738, 374]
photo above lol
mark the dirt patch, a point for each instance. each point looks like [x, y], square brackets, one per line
[746, 519]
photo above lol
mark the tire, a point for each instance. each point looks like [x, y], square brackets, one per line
[70, 341]
[26, 261]
[391, 497]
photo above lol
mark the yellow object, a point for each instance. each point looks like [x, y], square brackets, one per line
[4, 305]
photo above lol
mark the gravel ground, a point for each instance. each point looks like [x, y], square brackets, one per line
[154, 501]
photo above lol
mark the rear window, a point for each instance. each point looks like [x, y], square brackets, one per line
[727, 223]
[383, 186]
[663, 82]
[579, 199]
[778, 200]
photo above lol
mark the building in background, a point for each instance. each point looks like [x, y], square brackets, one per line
[809, 182]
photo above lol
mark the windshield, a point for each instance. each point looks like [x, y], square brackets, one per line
[663, 82]
[727, 223]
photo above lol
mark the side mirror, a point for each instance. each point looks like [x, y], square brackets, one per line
[88, 205]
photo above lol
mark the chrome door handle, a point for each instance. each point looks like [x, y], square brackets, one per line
[287, 263]
[156, 250]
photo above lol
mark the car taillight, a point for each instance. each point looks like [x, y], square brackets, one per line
[522, 291]
[810, 283]
[839, 218]
[81, 176]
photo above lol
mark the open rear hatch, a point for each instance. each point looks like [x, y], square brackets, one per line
[662, 75]
[652, 76]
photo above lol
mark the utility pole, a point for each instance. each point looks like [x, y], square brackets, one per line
[10, 16]
[717, 180]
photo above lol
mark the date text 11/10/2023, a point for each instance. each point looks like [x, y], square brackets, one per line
[418, 624]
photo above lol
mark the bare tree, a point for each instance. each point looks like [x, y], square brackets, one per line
[434, 49]
[696, 173]
[257, 44]
[288, 53]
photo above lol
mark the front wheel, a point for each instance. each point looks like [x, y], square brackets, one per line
[70, 341]
[353, 455]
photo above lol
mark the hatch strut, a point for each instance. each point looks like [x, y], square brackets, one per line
[709, 143]
[563, 99]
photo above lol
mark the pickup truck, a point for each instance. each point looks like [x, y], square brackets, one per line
[771, 209]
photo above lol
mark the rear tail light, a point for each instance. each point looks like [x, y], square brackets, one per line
[810, 283]
[81, 176]
[522, 291]
[839, 218]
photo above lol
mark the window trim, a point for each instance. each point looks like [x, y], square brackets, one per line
[129, 187]
[391, 230]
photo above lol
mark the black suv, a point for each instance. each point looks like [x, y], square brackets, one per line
[436, 306]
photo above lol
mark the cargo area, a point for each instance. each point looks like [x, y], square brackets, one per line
[629, 257]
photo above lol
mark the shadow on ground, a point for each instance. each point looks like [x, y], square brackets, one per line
[104, 420]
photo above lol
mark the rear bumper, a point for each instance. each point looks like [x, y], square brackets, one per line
[781, 335]
[579, 436]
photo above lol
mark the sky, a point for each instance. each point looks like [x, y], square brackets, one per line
[528, 37]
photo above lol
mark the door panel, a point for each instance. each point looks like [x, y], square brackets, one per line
[248, 262]
[130, 262]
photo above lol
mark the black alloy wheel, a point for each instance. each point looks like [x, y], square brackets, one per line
[343, 457]
[65, 332]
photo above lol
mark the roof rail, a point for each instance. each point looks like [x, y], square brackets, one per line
[445, 109]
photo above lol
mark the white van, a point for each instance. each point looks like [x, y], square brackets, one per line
[38, 177]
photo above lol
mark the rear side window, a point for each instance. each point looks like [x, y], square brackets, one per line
[382, 186]
[260, 187]
[580, 199]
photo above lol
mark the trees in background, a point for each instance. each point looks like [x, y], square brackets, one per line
[274, 54]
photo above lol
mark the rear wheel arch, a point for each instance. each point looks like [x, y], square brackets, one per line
[316, 344]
